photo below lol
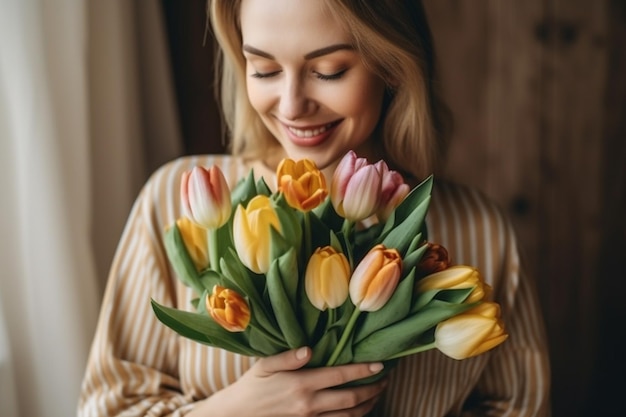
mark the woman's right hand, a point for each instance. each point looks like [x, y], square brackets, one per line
[279, 386]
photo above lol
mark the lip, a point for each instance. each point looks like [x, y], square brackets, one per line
[309, 136]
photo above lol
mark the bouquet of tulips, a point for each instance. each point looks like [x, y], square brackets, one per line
[301, 266]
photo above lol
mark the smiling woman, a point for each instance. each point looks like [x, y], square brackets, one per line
[317, 79]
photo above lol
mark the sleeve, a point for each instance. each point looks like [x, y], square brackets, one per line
[516, 380]
[133, 364]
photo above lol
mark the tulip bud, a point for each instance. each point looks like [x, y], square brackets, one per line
[435, 259]
[472, 332]
[326, 278]
[228, 308]
[355, 188]
[456, 277]
[393, 190]
[252, 235]
[302, 183]
[206, 197]
[375, 278]
[195, 240]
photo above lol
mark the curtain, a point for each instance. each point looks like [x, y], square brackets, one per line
[85, 92]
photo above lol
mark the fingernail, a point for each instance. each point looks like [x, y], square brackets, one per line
[376, 367]
[301, 353]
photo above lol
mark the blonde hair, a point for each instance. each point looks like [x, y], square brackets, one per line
[394, 41]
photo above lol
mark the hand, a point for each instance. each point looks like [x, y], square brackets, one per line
[278, 386]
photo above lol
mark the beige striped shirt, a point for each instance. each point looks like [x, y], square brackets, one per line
[138, 366]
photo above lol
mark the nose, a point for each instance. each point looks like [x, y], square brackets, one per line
[294, 101]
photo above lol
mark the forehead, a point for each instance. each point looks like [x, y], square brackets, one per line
[290, 23]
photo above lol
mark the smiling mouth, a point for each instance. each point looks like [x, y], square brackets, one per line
[309, 133]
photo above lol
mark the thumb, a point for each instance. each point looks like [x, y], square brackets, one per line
[286, 361]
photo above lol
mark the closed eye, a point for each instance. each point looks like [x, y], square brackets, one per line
[265, 74]
[330, 77]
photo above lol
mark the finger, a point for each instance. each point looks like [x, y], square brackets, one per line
[285, 361]
[334, 376]
[357, 400]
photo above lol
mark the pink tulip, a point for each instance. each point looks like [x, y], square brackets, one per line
[355, 188]
[393, 190]
[206, 197]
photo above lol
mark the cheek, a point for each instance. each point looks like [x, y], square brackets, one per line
[363, 98]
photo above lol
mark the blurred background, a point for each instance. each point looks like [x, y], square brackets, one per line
[94, 96]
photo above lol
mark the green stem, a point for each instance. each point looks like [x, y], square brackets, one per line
[331, 318]
[417, 349]
[346, 230]
[307, 233]
[214, 261]
[344, 337]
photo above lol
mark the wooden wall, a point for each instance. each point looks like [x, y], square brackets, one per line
[538, 91]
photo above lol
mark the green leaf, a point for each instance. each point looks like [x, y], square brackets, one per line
[209, 278]
[413, 200]
[262, 188]
[413, 256]
[396, 309]
[283, 307]
[244, 281]
[454, 297]
[263, 343]
[323, 349]
[400, 237]
[180, 260]
[244, 191]
[202, 329]
[398, 337]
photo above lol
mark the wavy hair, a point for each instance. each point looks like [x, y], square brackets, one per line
[394, 41]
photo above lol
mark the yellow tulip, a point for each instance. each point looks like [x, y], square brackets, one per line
[228, 308]
[375, 278]
[195, 240]
[456, 277]
[326, 278]
[302, 183]
[471, 333]
[251, 233]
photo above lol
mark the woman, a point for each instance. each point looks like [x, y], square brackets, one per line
[315, 79]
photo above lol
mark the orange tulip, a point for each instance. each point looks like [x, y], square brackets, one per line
[326, 278]
[195, 240]
[228, 308]
[472, 332]
[302, 183]
[456, 277]
[375, 278]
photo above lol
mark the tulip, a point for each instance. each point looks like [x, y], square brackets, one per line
[206, 197]
[456, 277]
[355, 188]
[471, 333]
[195, 240]
[375, 278]
[435, 259]
[302, 183]
[326, 278]
[228, 308]
[393, 190]
[251, 233]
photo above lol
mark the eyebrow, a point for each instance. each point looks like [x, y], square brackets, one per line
[313, 54]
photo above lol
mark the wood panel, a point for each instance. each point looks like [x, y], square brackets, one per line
[538, 92]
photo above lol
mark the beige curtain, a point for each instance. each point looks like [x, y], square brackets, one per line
[85, 91]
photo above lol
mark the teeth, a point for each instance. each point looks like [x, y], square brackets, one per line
[309, 132]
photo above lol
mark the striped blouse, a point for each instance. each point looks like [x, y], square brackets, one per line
[138, 366]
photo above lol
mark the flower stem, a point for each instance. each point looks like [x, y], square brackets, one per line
[346, 230]
[307, 233]
[214, 261]
[344, 337]
[417, 349]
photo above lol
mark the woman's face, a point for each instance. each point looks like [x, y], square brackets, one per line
[310, 88]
